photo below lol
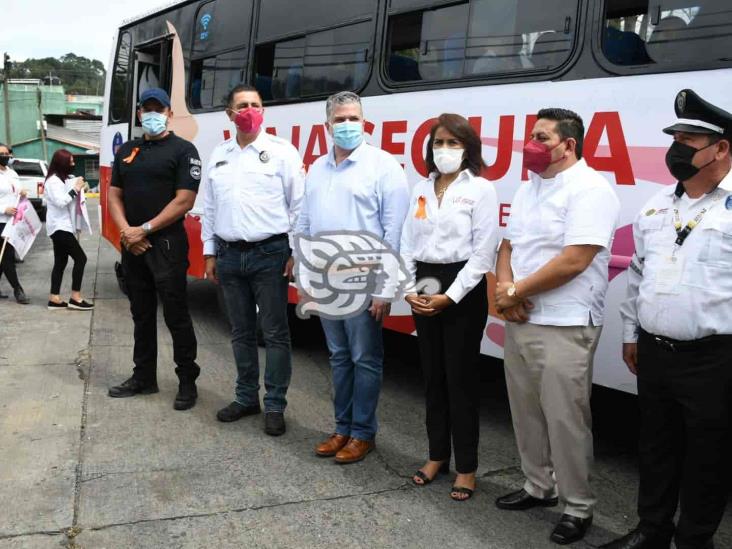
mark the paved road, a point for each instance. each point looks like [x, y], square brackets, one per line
[78, 469]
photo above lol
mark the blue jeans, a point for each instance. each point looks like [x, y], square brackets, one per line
[251, 278]
[357, 361]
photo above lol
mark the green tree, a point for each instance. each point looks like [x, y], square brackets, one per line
[78, 75]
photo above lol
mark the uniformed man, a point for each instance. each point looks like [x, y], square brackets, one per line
[251, 201]
[678, 334]
[154, 184]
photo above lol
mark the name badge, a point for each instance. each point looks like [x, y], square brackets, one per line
[668, 278]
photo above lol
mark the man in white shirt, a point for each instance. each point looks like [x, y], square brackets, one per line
[678, 335]
[552, 274]
[251, 201]
[355, 187]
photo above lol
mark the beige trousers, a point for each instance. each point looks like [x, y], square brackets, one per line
[549, 379]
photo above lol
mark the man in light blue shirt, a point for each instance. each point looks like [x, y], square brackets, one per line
[355, 187]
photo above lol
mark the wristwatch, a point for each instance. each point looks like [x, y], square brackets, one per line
[511, 292]
[147, 228]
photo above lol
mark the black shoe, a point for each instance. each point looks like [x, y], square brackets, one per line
[570, 529]
[20, 296]
[274, 423]
[522, 500]
[80, 305]
[53, 306]
[186, 397]
[636, 539]
[132, 387]
[235, 411]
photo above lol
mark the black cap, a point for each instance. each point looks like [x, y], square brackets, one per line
[699, 116]
[157, 94]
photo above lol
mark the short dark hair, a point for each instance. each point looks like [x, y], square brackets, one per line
[238, 89]
[464, 132]
[569, 124]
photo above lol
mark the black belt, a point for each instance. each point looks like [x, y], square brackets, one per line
[678, 346]
[246, 245]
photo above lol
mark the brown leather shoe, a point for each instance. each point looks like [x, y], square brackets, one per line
[332, 445]
[354, 451]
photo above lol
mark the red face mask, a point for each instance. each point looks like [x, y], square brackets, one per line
[249, 120]
[538, 156]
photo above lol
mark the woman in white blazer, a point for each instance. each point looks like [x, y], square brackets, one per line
[65, 219]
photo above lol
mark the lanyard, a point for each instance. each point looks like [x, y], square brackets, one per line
[682, 233]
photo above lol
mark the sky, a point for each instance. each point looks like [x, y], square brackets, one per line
[52, 28]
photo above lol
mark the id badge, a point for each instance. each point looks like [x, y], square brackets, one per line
[668, 278]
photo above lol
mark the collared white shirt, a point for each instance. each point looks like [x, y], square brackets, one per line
[577, 207]
[64, 212]
[366, 192]
[697, 301]
[9, 190]
[463, 227]
[251, 193]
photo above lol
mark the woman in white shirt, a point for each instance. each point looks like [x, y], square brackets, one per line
[449, 242]
[63, 219]
[10, 192]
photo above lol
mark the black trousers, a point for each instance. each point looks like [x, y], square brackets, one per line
[449, 348]
[65, 245]
[685, 397]
[7, 265]
[161, 273]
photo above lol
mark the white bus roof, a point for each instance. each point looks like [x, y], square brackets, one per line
[148, 13]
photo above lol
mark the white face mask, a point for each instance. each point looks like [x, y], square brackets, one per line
[448, 160]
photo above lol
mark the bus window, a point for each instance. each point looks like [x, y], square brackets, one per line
[219, 54]
[667, 32]
[119, 108]
[213, 77]
[315, 65]
[479, 38]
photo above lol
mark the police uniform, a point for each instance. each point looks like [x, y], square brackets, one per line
[679, 310]
[251, 201]
[149, 172]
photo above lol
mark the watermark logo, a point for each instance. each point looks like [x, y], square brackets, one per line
[338, 273]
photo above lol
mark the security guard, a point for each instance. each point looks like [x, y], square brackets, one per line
[154, 183]
[251, 202]
[678, 334]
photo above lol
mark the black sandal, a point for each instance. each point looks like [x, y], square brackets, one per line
[461, 490]
[443, 470]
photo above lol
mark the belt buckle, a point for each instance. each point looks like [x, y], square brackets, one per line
[665, 343]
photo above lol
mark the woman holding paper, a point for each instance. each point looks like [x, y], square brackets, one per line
[65, 218]
[10, 193]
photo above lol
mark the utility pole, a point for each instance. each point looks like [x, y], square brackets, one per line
[40, 117]
[6, 98]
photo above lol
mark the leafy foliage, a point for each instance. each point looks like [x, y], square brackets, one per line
[79, 75]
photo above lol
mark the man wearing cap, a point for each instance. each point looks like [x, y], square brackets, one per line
[154, 184]
[678, 335]
[251, 201]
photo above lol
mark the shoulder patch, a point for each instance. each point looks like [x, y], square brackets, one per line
[195, 172]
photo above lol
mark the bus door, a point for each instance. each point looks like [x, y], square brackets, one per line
[152, 70]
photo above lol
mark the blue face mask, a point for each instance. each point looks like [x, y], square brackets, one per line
[153, 123]
[348, 135]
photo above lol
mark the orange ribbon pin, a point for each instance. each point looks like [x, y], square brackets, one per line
[421, 208]
[132, 156]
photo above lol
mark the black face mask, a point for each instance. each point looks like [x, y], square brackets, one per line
[4, 159]
[678, 160]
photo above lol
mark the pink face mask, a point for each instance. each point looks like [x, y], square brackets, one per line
[249, 120]
[538, 156]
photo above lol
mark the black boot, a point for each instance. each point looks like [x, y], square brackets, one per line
[133, 387]
[186, 397]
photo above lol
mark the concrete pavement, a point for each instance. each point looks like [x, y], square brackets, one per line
[78, 469]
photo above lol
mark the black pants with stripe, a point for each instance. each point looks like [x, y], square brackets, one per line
[449, 348]
[685, 399]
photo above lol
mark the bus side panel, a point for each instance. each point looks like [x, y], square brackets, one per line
[110, 231]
